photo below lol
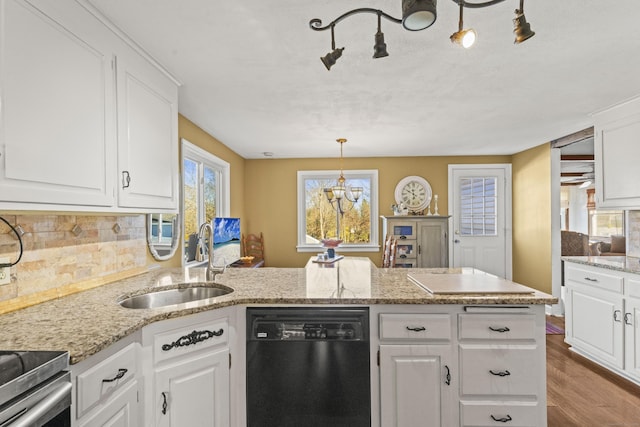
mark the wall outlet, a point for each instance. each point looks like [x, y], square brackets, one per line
[5, 272]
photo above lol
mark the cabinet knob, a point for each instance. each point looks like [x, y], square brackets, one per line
[627, 319]
[616, 315]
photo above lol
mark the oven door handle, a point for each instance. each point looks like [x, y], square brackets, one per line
[39, 409]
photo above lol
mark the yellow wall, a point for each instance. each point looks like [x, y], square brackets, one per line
[271, 195]
[532, 217]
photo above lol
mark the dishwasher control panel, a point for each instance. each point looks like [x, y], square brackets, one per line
[299, 326]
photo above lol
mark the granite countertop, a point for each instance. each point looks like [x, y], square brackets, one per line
[87, 322]
[620, 263]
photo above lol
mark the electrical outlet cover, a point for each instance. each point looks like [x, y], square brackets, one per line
[5, 272]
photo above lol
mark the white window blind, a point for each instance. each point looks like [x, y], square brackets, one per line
[478, 215]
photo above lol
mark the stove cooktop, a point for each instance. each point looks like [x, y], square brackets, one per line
[23, 370]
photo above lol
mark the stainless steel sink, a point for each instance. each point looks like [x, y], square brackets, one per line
[190, 295]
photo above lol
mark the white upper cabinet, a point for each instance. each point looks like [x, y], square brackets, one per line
[147, 136]
[617, 150]
[79, 107]
[57, 109]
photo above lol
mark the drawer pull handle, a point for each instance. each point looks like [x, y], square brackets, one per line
[447, 378]
[590, 279]
[402, 237]
[416, 328]
[615, 315]
[191, 339]
[503, 419]
[504, 329]
[164, 403]
[500, 373]
[119, 375]
[402, 256]
[627, 319]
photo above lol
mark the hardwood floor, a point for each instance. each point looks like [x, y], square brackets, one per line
[583, 394]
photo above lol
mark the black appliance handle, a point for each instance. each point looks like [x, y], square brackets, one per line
[56, 396]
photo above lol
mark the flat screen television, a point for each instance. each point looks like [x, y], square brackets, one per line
[226, 240]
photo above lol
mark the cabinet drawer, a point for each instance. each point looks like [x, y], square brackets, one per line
[497, 326]
[181, 341]
[499, 370]
[406, 249]
[103, 379]
[592, 276]
[402, 230]
[415, 327]
[520, 414]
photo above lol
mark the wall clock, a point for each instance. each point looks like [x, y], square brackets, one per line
[414, 192]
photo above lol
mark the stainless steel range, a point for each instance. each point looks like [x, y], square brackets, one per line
[35, 389]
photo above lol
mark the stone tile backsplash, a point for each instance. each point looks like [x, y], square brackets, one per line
[60, 250]
[633, 234]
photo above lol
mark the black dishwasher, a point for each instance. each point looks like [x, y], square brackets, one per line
[308, 367]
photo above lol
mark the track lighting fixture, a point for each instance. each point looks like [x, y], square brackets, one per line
[521, 27]
[418, 15]
[465, 38]
[330, 58]
[380, 47]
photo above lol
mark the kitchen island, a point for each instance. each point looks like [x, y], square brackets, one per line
[473, 329]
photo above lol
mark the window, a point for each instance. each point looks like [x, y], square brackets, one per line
[317, 219]
[205, 195]
[478, 215]
[604, 224]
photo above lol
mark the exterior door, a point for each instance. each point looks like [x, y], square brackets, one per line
[480, 204]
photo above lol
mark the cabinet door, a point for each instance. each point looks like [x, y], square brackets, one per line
[632, 328]
[596, 323]
[120, 411]
[193, 392]
[617, 148]
[57, 133]
[432, 245]
[418, 386]
[147, 136]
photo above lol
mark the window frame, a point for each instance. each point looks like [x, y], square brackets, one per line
[371, 174]
[223, 185]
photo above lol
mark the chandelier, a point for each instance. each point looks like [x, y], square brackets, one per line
[339, 194]
[418, 15]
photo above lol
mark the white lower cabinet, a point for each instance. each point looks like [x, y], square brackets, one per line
[418, 370]
[470, 366]
[107, 387]
[602, 308]
[122, 410]
[416, 385]
[502, 366]
[193, 391]
[187, 370]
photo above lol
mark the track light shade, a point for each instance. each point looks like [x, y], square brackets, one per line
[380, 48]
[418, 14]
[465, 38]
[521, 28]
[330, 58]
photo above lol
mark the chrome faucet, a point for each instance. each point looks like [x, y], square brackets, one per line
[212, 271]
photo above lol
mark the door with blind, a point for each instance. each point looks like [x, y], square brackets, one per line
[480, 206]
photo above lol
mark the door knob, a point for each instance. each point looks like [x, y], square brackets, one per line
[456, 241]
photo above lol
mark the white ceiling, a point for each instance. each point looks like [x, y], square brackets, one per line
[251, 74]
